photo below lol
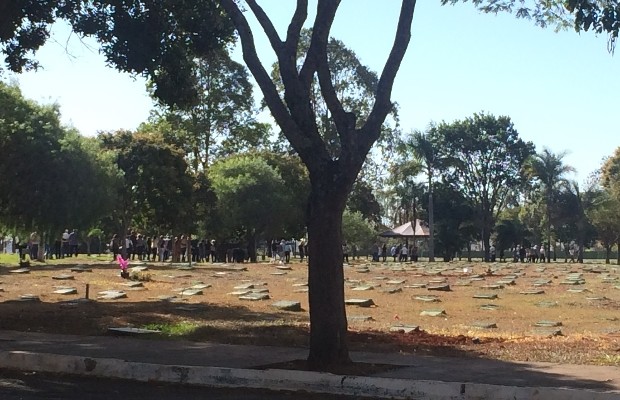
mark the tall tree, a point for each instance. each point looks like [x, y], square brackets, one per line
[252, 197]
[548, 172]
[223, 119]
[155, 190]
[421, 147]
[487, 157]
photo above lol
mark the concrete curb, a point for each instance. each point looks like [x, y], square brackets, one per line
[275, 379]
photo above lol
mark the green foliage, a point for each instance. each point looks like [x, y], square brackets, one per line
[154, 190]
[251, 195]
[486, 158]
[362, 199]
[223, 120]
[358, 230]
[51, 175]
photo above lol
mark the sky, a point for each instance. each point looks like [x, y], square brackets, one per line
[559, 89]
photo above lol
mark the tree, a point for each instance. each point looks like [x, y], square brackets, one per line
[357, 230]
[605, 216]
[222, 120]
[421, 147]
[41, 164]
[362, 199]
[252, 197]
[486, 157]
[548, 171]
[154, 189]
[455, 221]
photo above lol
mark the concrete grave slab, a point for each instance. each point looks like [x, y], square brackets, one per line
[359, 302]
[29, 297]
[363, 288]
[577, 290]
[416, 286]
[191, 292]
[392, 290]
[164, 297]
[255, 297]
[441, 288]
[483, 325]
[485, 296]
[200, 286]
[428, 299]
[301, 290]
[63, 277]
[65, 290]
[286, 305]
[279, 273]
[396, 282]
[359, 318]
[547, 324]
[133, 284]
[433, 313]
[404, 328]
[240, 292]
[532, 291]
[492, 287]
[304, 284]
[20, 271]
[111, 295]
[489, 307]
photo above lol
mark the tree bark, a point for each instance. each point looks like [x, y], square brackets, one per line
[328, 320]
[431, 223]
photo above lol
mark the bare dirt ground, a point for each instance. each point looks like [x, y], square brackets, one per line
[578, 304]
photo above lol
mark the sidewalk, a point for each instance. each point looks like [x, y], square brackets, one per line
[414, 376]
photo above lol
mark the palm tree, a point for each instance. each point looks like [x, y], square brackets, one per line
[548, 171]
[421, 147]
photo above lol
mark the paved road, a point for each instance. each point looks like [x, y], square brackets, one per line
[35, 386]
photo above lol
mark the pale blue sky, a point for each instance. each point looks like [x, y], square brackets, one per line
[560, 89]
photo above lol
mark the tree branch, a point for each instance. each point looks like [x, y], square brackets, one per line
[267, 25]
[383, 104]
[325, 14]
[306, 141]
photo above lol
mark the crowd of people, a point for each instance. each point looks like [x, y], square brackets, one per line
[162, 248]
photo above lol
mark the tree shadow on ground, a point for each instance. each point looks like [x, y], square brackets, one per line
[417, 355]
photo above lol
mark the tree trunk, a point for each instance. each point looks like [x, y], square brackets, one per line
[431, 223]
[328, 320]
[251, 238]
[607, 253]
[486, 241]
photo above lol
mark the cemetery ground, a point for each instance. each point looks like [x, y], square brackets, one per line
[556, 312]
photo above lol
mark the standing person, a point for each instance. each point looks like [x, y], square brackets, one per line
[65, 243]
[35, 240]
[354, 251]
[404, 254]
[115, 246]
[345, 253]
[213, 251]
[302, 250]
[183, 249]
[161, 256]
[139, 247]
[274, 250]
[155, 247]
[384, 252]
[393, 252]
[288, 247]
[58, 249]
[73, 243]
